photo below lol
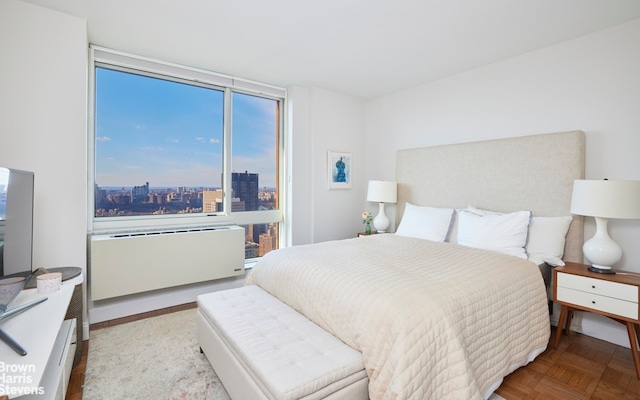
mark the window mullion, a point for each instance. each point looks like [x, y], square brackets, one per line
[227, 142]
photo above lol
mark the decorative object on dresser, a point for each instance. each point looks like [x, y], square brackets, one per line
[616, 296]
[604, 199]
[382, 192]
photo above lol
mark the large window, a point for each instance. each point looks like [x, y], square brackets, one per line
[177, 146]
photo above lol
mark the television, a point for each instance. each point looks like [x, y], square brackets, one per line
[16, 222]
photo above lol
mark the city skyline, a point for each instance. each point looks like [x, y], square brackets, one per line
[147, 200]
[171, 187]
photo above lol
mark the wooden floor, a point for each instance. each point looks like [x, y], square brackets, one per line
[581, 368]
[74, 391]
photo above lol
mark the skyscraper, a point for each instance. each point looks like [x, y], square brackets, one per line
[140, 194]
[210, 199]
[245, 187]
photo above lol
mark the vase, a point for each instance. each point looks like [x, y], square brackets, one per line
[367, 228]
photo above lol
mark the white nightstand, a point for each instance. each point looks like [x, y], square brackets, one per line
[614, 296]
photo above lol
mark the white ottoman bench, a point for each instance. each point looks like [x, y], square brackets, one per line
[261, 348]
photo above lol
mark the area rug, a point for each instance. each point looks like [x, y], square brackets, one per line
[154, 358]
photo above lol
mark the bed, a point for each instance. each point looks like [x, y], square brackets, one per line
[435, 318]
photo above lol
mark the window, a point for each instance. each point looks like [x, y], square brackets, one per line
[175, 146]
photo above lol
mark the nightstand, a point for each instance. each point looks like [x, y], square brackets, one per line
[364, 234]
[614, 296]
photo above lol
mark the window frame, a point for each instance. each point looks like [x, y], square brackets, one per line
[124, 62]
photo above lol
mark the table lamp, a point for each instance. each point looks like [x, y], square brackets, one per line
[382, 192]
[604, 199]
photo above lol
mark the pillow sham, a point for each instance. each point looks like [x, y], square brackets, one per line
[504, 233]
[547, 236]
[430, 223]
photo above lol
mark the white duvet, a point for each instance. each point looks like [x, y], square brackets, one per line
[432, 320]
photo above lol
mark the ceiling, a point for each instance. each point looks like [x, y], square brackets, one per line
[362, 48]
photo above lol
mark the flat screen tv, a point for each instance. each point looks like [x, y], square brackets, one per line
[16, 221]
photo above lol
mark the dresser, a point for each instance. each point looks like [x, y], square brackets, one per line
[50, 343]
[616, 296]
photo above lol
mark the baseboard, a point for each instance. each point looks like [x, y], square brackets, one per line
[126, 306]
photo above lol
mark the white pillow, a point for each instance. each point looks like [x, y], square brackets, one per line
[504, 233]
[428, 223]
[480, 211]
[546, 239]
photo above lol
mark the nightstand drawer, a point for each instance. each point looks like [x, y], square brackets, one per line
[597, 286]
[597, 302]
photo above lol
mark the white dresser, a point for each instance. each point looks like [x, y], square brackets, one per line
[50, 344]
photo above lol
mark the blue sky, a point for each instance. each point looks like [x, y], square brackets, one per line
[170, 134]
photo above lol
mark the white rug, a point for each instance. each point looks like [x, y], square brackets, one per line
[154, 358]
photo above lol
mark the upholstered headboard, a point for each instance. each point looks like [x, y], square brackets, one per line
[524, 173]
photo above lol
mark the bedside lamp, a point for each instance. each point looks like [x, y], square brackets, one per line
[602, 200]
[382, 192]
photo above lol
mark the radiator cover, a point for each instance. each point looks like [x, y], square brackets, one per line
[125, 264]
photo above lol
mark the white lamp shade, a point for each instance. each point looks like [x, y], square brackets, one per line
[382, 192]
[606, 199]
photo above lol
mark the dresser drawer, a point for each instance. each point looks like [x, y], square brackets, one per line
[593, 301]
[615, 290]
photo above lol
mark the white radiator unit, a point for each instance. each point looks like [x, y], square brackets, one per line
[123, 264]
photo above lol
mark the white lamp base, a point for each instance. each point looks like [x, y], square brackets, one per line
[381, 221]
[601, 250]
[593, 268]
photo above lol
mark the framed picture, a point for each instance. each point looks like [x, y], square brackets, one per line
[339, 168]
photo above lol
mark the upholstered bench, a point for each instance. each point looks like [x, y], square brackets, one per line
[261, 348]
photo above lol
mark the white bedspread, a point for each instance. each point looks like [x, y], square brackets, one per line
[432, 320]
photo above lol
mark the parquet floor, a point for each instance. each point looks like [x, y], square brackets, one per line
[581, 368]
[74, 391]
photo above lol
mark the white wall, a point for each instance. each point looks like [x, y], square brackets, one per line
[323, 121]
[591, 84]
[43, 121]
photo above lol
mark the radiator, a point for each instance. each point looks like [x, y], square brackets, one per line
[125, 264]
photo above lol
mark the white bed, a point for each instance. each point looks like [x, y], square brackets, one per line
[440, 320]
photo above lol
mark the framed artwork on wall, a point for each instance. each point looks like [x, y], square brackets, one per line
[339, 168]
